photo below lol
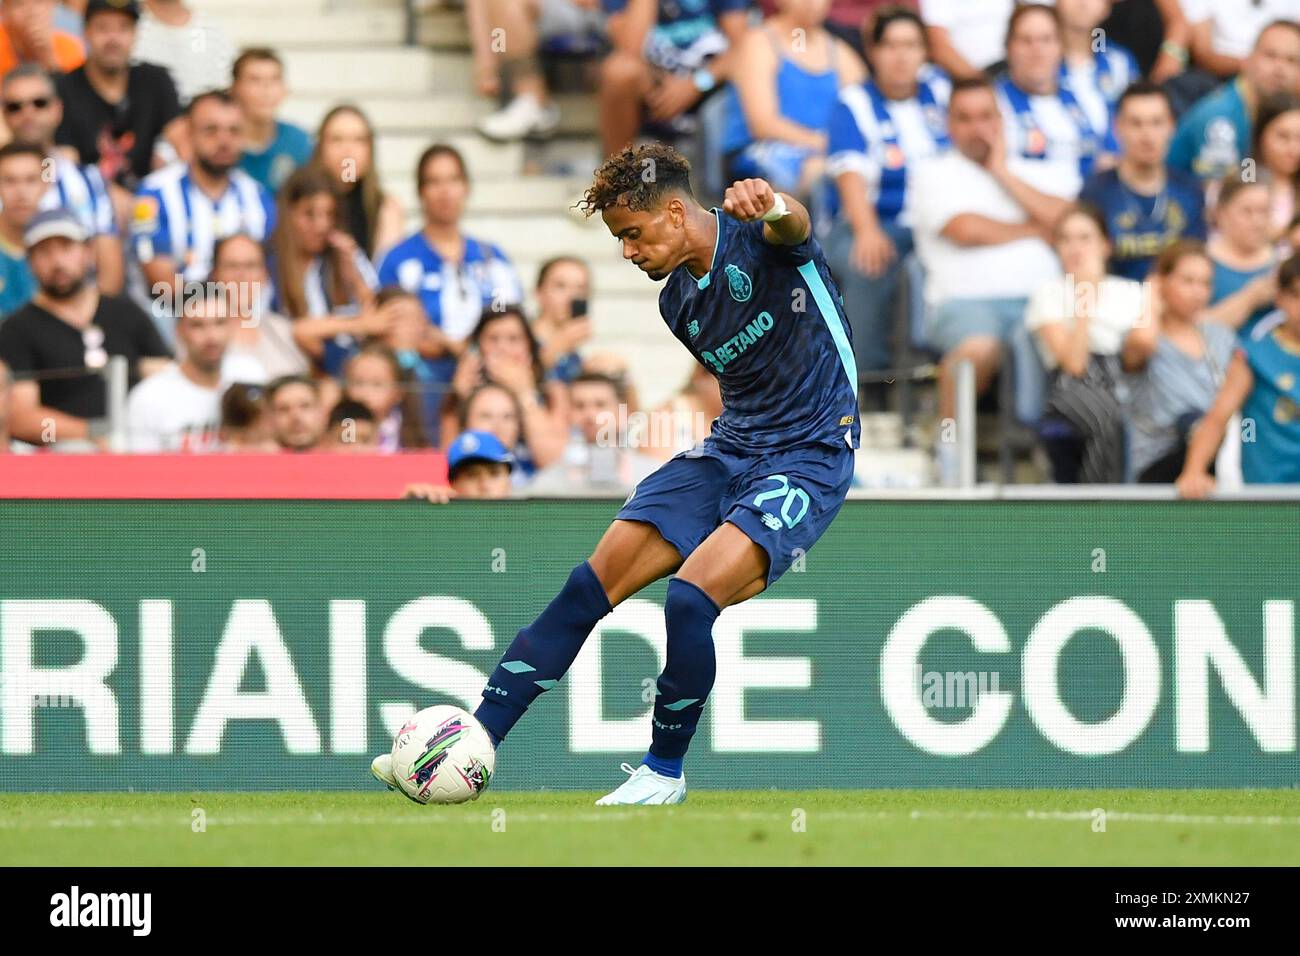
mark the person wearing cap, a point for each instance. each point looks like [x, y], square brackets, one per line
[33, 111]
[27, 35]
[121, 116]
[69, 325]
[478, 467]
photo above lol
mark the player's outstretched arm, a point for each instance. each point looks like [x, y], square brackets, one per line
[785, 220]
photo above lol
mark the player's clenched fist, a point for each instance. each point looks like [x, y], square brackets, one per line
[748, 199]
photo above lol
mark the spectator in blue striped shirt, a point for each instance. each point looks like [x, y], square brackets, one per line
[182, 210]
[33, 111]
[1044, 119]
[879, 131]
[1096, 69]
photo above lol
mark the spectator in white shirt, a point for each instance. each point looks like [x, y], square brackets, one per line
[1091, 329]
[179, 409]
[1224, 31]
[966, 36]
[980, 223]
[192, 46]
[597, 454]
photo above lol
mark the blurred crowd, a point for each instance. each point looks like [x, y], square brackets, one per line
[1095, 200]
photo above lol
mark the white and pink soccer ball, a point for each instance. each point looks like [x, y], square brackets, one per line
[443, 755]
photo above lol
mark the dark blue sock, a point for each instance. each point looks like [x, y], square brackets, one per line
[542, 652]
[669, 768]
[688, 674]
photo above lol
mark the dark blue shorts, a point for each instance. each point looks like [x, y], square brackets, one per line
[782, 500]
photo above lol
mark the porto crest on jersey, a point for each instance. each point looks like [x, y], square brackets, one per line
[738, 284]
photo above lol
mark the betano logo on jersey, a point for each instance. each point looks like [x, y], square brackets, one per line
[724, 354]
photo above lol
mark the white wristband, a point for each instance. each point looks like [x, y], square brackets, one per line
[778, 210]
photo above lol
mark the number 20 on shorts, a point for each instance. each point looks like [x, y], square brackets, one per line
[791, 498]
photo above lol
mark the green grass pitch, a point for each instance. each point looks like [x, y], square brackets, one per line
[819, 827]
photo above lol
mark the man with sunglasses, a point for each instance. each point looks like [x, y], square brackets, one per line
[121, 116]
[59, 343]
[33, 112]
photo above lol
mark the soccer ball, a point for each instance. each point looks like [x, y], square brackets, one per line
[443, 755]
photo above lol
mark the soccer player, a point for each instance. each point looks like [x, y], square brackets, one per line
[749, 294]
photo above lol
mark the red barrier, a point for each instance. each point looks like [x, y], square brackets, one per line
[308, 476]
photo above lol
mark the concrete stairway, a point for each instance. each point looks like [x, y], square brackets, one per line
[352, 50]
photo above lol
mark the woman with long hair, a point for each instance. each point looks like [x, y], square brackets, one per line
[345, 150]
[562, 325]
[455, 275]
[375, 378]
[504, 351]
[1276, 149]
[323, 281]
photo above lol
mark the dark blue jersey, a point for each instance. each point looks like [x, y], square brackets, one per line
[1142, 226]
[767, 320]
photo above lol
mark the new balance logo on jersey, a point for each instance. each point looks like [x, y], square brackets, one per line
[724, 354]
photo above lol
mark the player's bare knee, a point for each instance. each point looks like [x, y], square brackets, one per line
[753, 589]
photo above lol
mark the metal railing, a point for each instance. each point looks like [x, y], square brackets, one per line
[116, 373]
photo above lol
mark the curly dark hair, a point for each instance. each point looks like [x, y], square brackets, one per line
[638, 179]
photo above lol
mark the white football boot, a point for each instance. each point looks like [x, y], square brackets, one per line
[644, 787]
[382, 768]
[523, 116]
